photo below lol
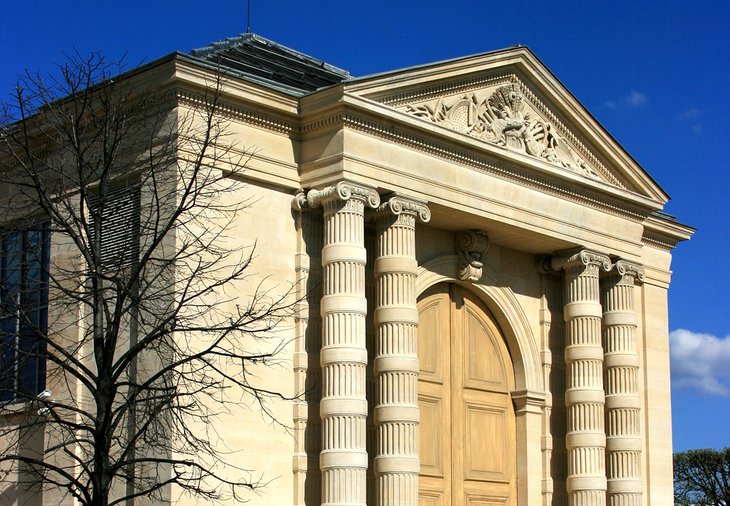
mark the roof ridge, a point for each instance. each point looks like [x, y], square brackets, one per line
[229, 42]
[221, 44]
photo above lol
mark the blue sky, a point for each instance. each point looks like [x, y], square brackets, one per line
[655, 74]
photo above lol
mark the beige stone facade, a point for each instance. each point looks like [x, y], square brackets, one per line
[483, 275]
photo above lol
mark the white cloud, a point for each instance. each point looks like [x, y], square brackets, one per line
[700, 362]
[691, 113]
[636, 99]
[693, 116]
[632, 100]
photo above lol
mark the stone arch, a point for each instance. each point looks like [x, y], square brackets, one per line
[506, 309]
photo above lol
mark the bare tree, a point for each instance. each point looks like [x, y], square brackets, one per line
[128, 319]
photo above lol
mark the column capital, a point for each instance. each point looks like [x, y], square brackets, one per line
[627, 269]
[396, 204]
[582, 257]
[470, 246]
[344, 190]
[299, 202]
[544, 265]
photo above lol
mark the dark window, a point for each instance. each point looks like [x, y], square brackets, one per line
[24, 263]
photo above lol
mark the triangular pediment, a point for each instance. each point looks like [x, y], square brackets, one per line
[504, 115]
[510, 101]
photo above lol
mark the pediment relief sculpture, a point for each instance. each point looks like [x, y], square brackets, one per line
[501, 116]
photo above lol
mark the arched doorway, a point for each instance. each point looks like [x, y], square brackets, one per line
[467, 430]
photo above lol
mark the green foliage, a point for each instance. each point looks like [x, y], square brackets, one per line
[702, 478]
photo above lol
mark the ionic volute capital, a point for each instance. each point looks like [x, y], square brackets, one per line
[344, 190]
[398, 204]
[581, 258]
[634, 272]
[471, 246]
[544, 265]
[299, 202]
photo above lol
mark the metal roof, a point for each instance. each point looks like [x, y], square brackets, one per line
[250, 55]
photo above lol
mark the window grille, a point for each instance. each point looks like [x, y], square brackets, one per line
[119, 226]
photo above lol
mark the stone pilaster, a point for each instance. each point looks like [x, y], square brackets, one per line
[343, 409]
[307, 372]
[529, 409]
[396, 360]
[553, 367]
[585, 439]
[623, 404]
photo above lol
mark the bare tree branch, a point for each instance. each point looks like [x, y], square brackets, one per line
[154, 323]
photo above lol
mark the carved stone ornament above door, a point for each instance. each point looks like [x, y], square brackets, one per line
[501, 116]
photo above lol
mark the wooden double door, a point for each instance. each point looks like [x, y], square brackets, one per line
[467, 430]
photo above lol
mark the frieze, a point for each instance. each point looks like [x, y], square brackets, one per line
[503, 117]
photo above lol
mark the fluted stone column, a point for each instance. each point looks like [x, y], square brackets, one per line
[585, 439]
[343, 408]
[396, 361]
[623, 404]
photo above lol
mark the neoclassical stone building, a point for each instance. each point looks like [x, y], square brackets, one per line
[483, 273]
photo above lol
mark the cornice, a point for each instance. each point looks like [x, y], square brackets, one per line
[240, 113]
[664, 233]
[657, 243]
[334, 119]
[410, 77]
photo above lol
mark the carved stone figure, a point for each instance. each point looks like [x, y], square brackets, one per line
[471, 246]
[502, 119]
